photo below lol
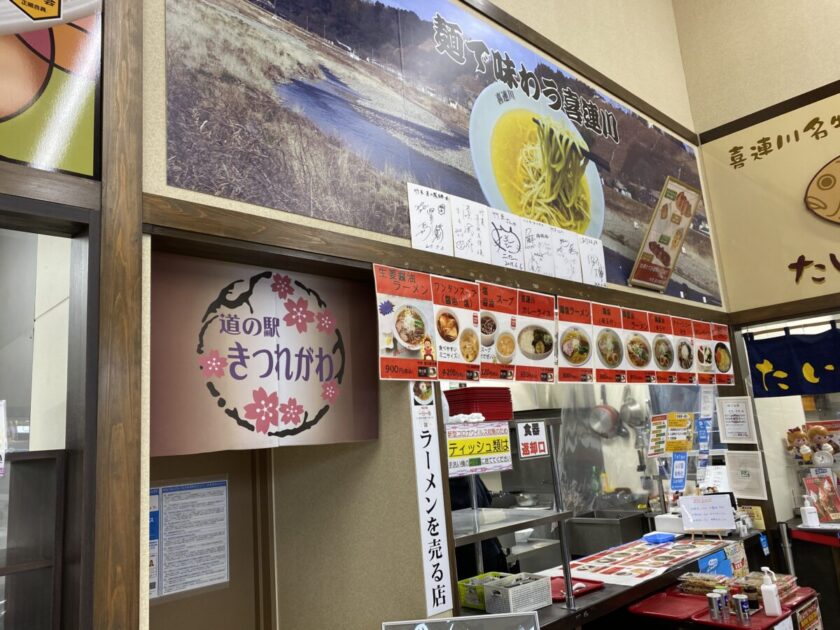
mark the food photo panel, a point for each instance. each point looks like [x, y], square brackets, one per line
[685, 364]
[575, 343]
[638, 346]
[664, 349]
[536, 337]
[497, 327]
[456, 329]
[609, 347]
[724, 371]
[405, 315]
[704, 353]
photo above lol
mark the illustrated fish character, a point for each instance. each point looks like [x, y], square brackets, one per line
[823, 194]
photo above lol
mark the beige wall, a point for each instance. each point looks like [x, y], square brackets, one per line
[633, 43]
[743, 56]
[759, 214]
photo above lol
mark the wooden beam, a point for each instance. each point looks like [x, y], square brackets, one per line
[809, 307]
[196, 218]
[22, 181]
[116, 597]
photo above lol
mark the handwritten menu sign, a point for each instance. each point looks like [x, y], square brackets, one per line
[470, 230]
[405, 314]
[497, 325]
[707, 513]
[456, 328]
[539, 248]
[664, 350]
[704, 352]
[535, 351]
[576, 345]
[593, 265]
[724, 372]
[507, 246]
[566, 255]
[430, 220]
[638, 347]
[668, 228]
[609, 349]
[685, 363]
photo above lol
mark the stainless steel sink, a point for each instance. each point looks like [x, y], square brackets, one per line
[592, 532]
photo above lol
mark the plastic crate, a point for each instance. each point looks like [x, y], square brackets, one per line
[471, 590]
[521, 592]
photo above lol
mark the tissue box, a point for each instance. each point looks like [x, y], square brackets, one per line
[521, 592]
[471, 590]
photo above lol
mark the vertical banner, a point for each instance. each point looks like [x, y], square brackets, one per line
[664, 352]
[609, 351]
[497, 325]
[724, 372]
[679, 471]
[637, 344]
[406, 340]
[684, 349]
[574, 334]
[456, 329]
[704, 352]
[431, 509]
[536, 356]
[704, 438]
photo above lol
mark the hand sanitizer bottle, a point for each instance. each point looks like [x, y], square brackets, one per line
[770, 594]
[809, 513]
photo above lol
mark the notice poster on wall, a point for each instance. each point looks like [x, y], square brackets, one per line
[609, 349]
[478, 448]
[724, 371]
[431, 220]
[535, 351]
[662, 345]
[456, 329]
[685, 364]
[406, 339]
[658, 434]
[679, 432]
[498, 326]
[574, 336]
[735, 420]
[638, 346]
[704, 352]
[745, 473]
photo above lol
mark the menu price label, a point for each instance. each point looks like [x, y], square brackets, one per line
[576, 345]
[684, 349]
[535, 341]
[609, 349]
[664, 348]
[405, 315]
[497, 326]
[638, 347]
[704, 352]
[456, 328]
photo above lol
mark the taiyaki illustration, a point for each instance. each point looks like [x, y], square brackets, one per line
[823, 194]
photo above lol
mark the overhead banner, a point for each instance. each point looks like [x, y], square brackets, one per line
[50, 56]
[794, 365]
[244, 357]
[370, 96]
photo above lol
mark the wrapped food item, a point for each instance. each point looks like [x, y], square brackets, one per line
[701, 583]
[785, 583]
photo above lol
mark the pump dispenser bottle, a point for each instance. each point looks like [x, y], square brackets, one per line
[770, 594]
[808, 512]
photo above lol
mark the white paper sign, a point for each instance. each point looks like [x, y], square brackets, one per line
[430, 219]
[154, 541]
[707, 401]
[566, 255]
[193, 536]
[532, 439]
[430, 502]
[593, 265]
[735, 420]
[539, 248]
[478, 447]
[746, 474]
[709, 512]
[787, 624]
[717, 478]
[470, 230]
[506, 240]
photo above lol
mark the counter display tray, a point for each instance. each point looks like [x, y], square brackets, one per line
[670, 605]
[758, 620]
[558, 588]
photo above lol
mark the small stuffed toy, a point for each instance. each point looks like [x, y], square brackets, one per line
[797, 441]
[820, 440]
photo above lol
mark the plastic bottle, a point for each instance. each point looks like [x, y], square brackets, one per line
[808, 512]
[770, 594]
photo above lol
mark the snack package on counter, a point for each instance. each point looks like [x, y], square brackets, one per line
[701, 583]
[785, 583]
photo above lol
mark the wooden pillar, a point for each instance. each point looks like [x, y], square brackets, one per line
[117, 560]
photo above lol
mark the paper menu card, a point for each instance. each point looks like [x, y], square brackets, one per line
[575, 343]
[638, 346]
[685, 361]
[704, 353]
[664, 349]
[498, 327]
[539, 247]
[405, 316]
[609, 347]
[470, 230]
[593, 264]
[456, 329]
[566, 255]
[722, 353]
[430, 220]
[536, 339]
[506, 240]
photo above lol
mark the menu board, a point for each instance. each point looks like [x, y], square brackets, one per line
[575, 345]
[658, 433]
[664, 350]
[497, 327]
[684, 350]
[704, 353]
[724, 372]
[456, 328]
[535, 341]
[405, 314]
[638, 350]
[609, 349]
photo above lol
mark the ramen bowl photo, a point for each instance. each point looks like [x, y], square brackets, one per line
[575, 345]
[410, 327]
